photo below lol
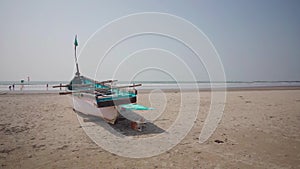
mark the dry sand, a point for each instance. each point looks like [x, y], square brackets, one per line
[259, 129]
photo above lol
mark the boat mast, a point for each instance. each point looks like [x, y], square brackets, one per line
[75, 47]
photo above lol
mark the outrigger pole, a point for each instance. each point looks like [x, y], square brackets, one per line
[75, 47]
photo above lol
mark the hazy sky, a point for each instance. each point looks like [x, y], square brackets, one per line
[256, 40]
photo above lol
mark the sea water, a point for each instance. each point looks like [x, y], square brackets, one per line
[151, 85]
[31, 86]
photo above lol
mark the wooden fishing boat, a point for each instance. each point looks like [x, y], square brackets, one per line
[102, 98]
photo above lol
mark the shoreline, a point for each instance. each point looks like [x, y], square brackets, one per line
[256, 88]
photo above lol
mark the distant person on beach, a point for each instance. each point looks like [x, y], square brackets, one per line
[22, 85]
[47, 86]
[13, 86]
[9, 88]
[60, 86]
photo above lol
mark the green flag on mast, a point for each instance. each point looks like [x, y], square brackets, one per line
[75, 42]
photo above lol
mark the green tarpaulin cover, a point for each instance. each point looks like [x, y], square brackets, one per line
[135, 107]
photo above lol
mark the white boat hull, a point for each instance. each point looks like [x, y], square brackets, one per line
[87, 105]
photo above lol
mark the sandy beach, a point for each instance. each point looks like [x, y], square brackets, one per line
[259, 129]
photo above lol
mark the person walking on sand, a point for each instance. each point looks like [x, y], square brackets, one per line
[9, 88]
[22, 85]
[13, 86]
[47, 86]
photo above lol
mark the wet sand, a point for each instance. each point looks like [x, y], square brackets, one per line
[259, 129]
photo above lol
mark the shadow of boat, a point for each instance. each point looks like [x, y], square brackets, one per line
[122, 125]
